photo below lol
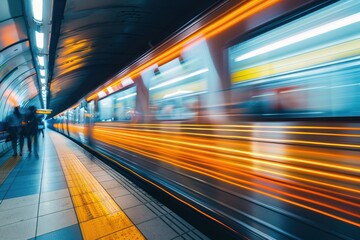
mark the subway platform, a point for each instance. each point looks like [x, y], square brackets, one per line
[67, 193]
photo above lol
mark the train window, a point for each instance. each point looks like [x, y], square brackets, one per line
[175, 88]
[77, 115]
[81, 115]
[106, 109]
[125, 102]
[307, 67]
[91, 107]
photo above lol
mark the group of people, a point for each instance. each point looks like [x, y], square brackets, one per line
[21, 126]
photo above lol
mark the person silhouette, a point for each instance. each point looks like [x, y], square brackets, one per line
[14, 127]
[31, 130]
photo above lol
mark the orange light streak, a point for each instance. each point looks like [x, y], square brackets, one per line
[238, 14]
[222, 177]
[232, 150]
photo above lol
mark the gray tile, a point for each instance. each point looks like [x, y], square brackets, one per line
[178, 238]
[94, 168]
[150, 229]
[110, 184]
[12, 203]
[139, 214]
[55, 206]
[156, 208]
[196, 234]
[56, 221]
[180, 219]
[187, 237]
[178, 228]
[100, 173]
[28, 228]
[117, 192]
[49, 196]
[18, 214]
[127, 201]
[104, 178]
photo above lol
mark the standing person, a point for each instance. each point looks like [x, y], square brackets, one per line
[41, 126]
[14, 126]
[31, 130]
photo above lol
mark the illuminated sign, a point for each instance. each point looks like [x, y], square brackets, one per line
[44, 111]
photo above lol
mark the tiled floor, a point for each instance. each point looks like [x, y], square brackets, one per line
[66, 193]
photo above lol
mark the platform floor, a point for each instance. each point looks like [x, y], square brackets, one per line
[67, 193]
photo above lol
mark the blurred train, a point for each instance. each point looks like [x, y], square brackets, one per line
[215, 116]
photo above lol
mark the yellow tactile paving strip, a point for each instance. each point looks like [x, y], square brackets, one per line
[99, 215]
[7, 167]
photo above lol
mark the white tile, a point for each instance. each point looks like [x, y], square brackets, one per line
[28, 228]
[18, 214]
[49, 196]
[56, 221]
[55, 206]
[19, 202]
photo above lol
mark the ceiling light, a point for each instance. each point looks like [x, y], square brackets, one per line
[42, 72]
[37, 7]
[41, 61]
[39, 39]
[42, 80]
[43, 88]
[101, 94]
[110, 90]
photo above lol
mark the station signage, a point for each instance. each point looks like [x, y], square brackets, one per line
[44, 111]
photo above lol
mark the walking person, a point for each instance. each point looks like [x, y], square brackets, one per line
[14, 128]
[31, 130]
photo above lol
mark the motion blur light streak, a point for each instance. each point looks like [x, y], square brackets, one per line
[194, 154]
[266, 141]
[239, 13]
[179, 131]
[303, 36]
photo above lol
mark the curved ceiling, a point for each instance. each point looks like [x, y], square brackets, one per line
[18, 82]
[92, 40]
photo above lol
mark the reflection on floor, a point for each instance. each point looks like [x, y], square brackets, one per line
[66, 193]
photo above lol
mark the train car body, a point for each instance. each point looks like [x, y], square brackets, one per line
[215, 116]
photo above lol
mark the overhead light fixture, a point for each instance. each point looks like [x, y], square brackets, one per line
[43, 88]
[101, 94]
[37, 7]
[343, 22]
[41, 60]
[110, 90]
[42, 72]
[39, 37]
[42, 80]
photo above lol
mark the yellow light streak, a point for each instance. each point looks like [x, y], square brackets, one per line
[223, 160]
[328, 54]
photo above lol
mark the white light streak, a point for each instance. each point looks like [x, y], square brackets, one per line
[181, 78]
[302, 36]
[127, 96]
